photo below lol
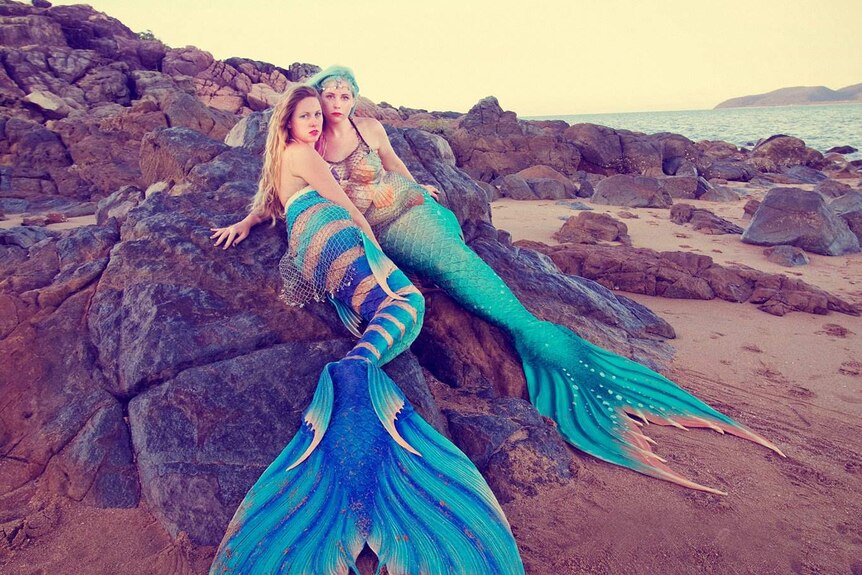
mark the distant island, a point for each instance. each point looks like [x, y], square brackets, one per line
[798, 95]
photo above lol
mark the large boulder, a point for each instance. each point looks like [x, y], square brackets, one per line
[632, 192]
[490, 142]
[792, 216]
[591, 228]
[601, 147]
[849, 208]
[787, 151]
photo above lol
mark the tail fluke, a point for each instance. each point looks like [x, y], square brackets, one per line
[601, 401]
[435, 514]
[293, 519]
[359, 480]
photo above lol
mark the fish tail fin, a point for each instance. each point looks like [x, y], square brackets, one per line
[433, 511]
[292, 521]
[365, 468]
[602, 401]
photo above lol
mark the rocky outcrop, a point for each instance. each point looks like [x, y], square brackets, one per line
[849, 208]
[689, 276]
[786, 151]
[702, 220]
[591, 228]
[788, 256]
[792, 216]
[632, 192]
[490, 143]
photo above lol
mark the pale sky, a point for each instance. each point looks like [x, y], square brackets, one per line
[538, 58]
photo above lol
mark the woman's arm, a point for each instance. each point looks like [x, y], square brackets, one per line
[235, 233]
[305, 163]
[390, 160]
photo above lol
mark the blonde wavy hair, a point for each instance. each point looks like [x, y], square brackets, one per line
[266, 200]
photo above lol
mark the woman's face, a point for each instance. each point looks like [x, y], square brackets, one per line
[337, 100]
[307, 121]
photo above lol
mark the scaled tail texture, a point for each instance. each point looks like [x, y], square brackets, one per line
[602, 401]
[355, 484]
[593, 395]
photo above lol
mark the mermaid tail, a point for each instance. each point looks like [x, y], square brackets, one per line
[421, 514]
[364, 468]
[592, 394]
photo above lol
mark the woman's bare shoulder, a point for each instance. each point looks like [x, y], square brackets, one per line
[372, 130]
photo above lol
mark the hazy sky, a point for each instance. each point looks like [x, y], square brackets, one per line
[539, 57]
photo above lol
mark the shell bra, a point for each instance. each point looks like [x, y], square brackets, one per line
[381, 196]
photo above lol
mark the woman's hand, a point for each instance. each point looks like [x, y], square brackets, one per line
[435, 193]
[231, 235]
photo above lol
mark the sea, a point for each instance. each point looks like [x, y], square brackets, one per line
[820, 126]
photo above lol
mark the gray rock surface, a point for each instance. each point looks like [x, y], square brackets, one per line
[792, 216]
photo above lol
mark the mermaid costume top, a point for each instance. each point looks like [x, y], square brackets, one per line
[381, 196]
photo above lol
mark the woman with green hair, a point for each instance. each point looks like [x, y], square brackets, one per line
[598, 399]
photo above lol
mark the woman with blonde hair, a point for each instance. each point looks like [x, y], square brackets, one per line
[364, 467]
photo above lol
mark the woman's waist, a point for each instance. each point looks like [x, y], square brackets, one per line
[296, 195]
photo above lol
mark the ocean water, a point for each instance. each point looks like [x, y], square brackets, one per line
[821, 127]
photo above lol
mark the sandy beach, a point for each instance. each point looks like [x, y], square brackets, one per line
[796, 379]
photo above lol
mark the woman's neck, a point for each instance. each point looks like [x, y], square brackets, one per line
[337, 130]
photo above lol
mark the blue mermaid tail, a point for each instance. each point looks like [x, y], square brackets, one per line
[421, 514]
[364, 468]
[598, 399]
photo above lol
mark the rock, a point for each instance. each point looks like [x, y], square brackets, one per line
[731, 171]
[118, 205]
[250, 132]
[632, 192]
[600, 147]
[803, 175]
[690, 276]
[590, 227]
[547, 183]
[34, 220]
[513, 448]
[788, 256]
[188, 61]
[51, 105]
[849, 208]
[169, 154]
[702, 220]
[30, 30]
[719, 194]
[87, 29]
[54, 218]
[792, 216]
[787, 151]
[831, 189]
[489, 143]
[574, 205]
[718, 150]
[842, 150]
[106, 84]
[431, 161]
[750, 208]
[640, 155]
[703, 187]
[515, 187]
[679, 187]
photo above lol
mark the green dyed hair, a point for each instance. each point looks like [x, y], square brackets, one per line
[334, 73]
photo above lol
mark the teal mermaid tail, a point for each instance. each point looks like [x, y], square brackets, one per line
[426, 513]
[592, 394]
[364, 468]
